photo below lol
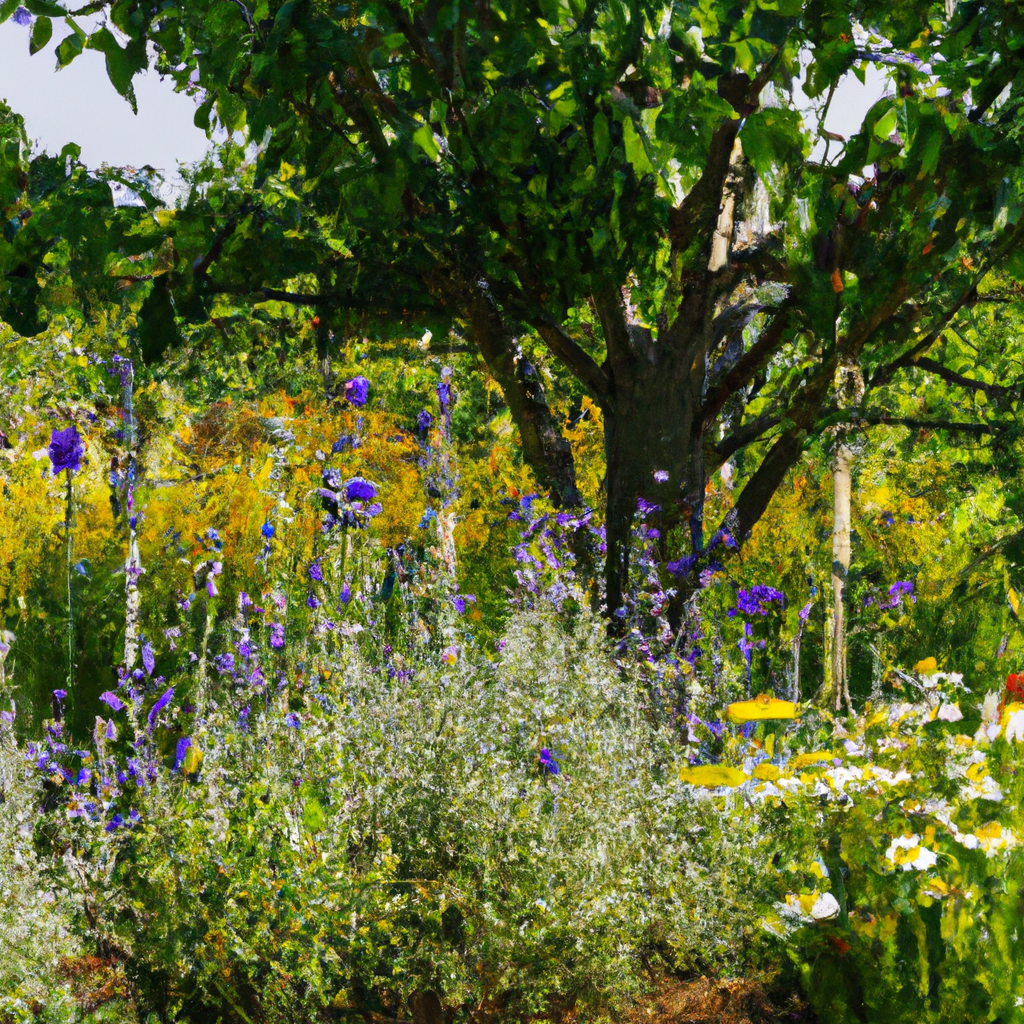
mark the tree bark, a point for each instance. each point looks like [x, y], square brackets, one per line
[842, 458]
[544, 447]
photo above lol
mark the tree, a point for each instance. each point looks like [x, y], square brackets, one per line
[596, 173]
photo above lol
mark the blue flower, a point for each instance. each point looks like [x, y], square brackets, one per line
[22, 17]
[315, 572]
[267, 529]
[292, 720]
[148, 658]
[180, 750]
[276, 635]
[60, 694]
[358, 489]
[112, 700]
[357, 390]
[162, 701]
[548, 761]
[424, 420]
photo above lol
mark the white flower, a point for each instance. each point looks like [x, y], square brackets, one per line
[1015, 726]
[950, 713]
[825, 907]
[917, 856]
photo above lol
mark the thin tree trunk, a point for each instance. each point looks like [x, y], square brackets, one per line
[842, 458]
[133, 563]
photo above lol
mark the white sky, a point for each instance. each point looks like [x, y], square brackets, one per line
[78, 104]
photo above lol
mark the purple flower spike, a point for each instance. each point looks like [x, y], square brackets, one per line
[60, 694]
[424, 420]
[459, 604]
[112, 700]
[180, 750]
[358, 489]
[357, 391]
[162, 701]
[548, 761]
[66, 450]
[315, 572]
[148, 658]
[276, 635]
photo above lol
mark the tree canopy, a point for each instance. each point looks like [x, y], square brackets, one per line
[633, 184]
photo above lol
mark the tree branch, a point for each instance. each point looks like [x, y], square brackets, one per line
[880, 419]
[932, 366]
[748, 364]
[579, 362]
[747, 434]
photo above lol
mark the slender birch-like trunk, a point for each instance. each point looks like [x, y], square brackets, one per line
[133, 563]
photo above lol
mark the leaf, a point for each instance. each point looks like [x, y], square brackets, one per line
[424, 138]
[42, 30]
[69, 48]
[44, 9]
[602, 138]
[122, 64]
[636, 154]
[313, 816]
[885, 125]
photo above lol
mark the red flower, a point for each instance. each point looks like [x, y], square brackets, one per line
[1015, 686]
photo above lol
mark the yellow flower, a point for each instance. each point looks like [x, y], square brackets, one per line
[760, 709]
[926, 666]
[712, 776]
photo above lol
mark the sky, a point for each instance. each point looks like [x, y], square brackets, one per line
[78, 104]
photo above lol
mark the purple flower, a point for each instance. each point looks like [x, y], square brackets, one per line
[315, 572]
[660, 476]
[60, 694]
[424, 420]
[346, 593]
[898, 590]
[111, 730]
[548, 761]
[755, 600]
[682, 566]
[276, 635]
[805, 611]
[66, 450]
[112, 700]
[148, 658]
[312, 601]
[225, 663]
[292, 720]
[358, 489]
[115, 823]
[211, 587]
[21, 17]
[357, 390]
[180, 750]
[267, 529]
[459, 604]
[162, 701]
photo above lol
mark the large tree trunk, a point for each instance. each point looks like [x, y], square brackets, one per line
[654, 449]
